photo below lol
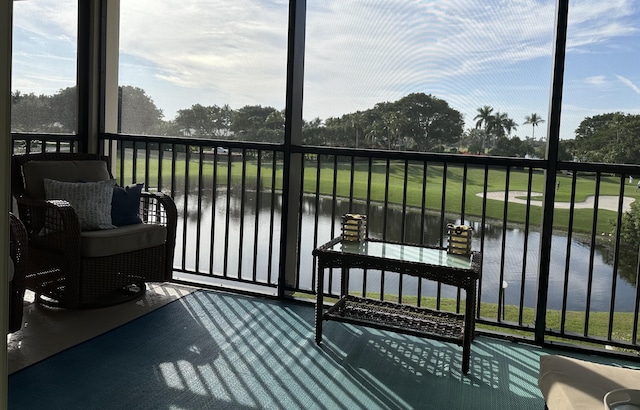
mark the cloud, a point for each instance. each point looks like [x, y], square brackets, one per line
[47, 18]
[593, 22]
[629, 83]
[596, 80]
[210, 45]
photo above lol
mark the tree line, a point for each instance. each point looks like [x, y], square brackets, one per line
[416, 122]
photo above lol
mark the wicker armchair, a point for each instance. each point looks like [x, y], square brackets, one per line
[18, 254]
[71, 266]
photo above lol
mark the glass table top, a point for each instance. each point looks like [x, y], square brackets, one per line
[406, 253]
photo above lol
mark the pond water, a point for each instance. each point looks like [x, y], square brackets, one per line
[521, 280]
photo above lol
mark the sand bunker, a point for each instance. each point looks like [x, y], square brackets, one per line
[608, 202]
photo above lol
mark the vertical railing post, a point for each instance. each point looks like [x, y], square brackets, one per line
[553, 139]
[292, 161]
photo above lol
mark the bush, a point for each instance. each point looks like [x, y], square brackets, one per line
[630, 230]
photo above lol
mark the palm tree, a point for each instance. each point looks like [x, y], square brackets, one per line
[484, 117]
[497, 124]
[509, 125]
[534, 120]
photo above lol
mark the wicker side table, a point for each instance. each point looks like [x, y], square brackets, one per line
[432, 263]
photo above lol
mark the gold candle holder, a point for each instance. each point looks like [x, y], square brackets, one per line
[459, 239]
[354, 227]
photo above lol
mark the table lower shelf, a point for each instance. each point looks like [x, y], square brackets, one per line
[400, 318]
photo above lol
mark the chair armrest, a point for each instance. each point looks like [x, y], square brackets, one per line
[50, 224]
[159, 208]
[53, 229]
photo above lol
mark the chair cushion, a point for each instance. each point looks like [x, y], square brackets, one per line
[68, 171]
[123, 239]
[567, 383]
[90, 200]
[125, 205]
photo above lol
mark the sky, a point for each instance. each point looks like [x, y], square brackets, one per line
[470, 53]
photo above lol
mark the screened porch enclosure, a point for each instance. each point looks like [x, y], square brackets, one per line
[254, 202]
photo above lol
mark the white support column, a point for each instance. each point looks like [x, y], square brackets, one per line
[111, 62]
[111, 58]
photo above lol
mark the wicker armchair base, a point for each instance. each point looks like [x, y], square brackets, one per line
[103, 282]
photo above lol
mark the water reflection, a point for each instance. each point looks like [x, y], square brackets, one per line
[252, 238]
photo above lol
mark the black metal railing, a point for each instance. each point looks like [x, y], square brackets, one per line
[229, 197]
[31, 143]
[227, 200]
